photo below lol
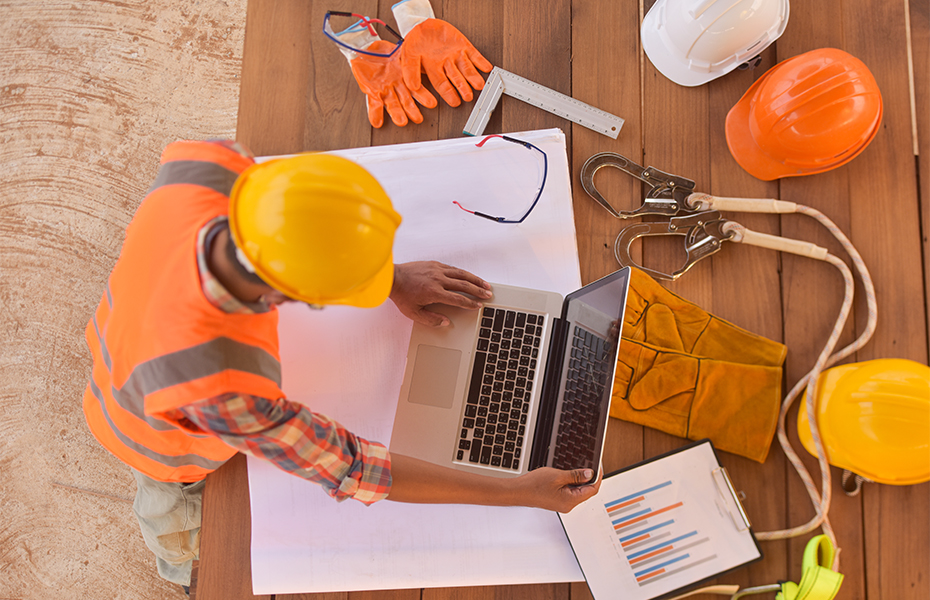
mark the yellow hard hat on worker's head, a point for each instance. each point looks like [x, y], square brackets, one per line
[874, 420]
[316, 227]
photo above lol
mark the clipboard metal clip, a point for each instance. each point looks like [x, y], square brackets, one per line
[725, 489]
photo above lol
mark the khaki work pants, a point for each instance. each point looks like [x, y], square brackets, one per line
[169, 515]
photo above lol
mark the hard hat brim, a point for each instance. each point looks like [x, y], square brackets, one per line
[376, 292]
[373, 294]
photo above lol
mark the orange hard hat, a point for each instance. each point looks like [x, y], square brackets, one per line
[808, 114]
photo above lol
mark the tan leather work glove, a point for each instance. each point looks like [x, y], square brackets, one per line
[686, 372]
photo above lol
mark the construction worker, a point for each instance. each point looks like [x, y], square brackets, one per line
[184, 341]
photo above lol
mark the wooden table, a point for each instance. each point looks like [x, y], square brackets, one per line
[298, 94]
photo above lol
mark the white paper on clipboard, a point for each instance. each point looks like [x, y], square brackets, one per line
[348, 364]
[661, 526]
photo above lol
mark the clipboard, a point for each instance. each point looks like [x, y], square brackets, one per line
[661, 527]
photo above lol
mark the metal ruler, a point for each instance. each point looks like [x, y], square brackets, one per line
[504, 82]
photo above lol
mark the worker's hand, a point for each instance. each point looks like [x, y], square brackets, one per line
[554, 489]
[419, 284]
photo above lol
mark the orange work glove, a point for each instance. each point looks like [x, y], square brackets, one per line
[381, 79]
[382, 82]
[440, 50]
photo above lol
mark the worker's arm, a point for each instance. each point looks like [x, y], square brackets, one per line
[419, 284]
[314, 447]
[418, 481]
[295, 440]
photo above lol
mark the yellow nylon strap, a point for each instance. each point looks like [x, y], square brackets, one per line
[818, 580]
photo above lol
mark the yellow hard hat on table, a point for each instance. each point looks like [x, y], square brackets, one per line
[317, 227]
[874, 419]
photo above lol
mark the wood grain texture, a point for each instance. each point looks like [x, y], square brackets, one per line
[591, 50]
[226, 517]
[920, 48]
[885, 223]
[812, 293]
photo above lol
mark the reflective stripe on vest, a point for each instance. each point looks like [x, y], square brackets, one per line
[194, 172]
[157, 342]
[183, 366]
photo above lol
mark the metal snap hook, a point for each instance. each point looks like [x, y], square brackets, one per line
[666, 198]
[703, 233]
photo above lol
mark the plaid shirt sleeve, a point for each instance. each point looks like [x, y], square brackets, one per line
[298, 441]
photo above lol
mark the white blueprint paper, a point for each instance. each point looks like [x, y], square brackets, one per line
[348, 363]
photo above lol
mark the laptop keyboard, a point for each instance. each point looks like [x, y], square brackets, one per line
[496, 411]
[581, 405]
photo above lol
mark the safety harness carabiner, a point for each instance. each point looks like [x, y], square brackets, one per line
[703, 233]
[666, 198]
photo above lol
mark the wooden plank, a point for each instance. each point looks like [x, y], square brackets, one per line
[482, 22]
[747, 292]
[271, 115]
[487, 26]
[666, 108]
[920, 49]
[412, 594]
[536, 45]
[603, 76]
[676, 139]
[896, 538]
[885, 224]
[335, 112]
[684, 134]
[225, 535]
[812, 293]
[500, 592]
[281, 106]
[412, 132]
[603, 40]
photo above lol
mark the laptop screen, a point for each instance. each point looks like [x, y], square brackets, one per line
[592, 321]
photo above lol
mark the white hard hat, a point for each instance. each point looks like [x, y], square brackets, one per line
[694, 41]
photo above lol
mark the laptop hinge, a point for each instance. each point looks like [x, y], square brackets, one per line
[548, 397]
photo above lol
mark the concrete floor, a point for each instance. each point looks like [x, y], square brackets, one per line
[90, 93]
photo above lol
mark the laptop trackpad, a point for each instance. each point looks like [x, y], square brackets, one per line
[435, 374]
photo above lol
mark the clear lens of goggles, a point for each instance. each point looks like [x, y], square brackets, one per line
[362, 23]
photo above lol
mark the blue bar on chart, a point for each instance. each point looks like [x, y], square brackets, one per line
[655, 545]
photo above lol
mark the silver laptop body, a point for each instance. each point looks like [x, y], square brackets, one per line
[524, 382]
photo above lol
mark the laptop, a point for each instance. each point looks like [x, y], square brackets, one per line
[522, 383]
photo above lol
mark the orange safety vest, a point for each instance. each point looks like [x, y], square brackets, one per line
[157, 342]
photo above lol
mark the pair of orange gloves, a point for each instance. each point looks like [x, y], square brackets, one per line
[430, 46]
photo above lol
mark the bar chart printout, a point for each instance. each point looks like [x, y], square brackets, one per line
[655, 547]
[660, 526]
